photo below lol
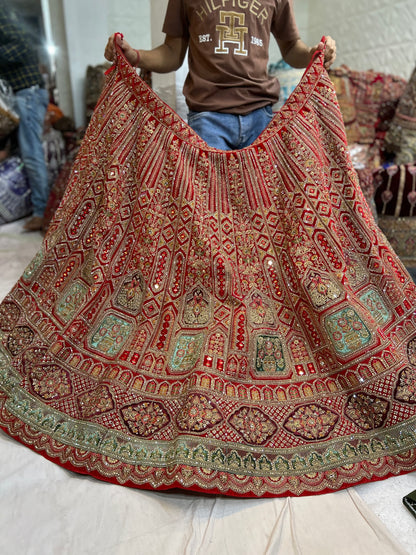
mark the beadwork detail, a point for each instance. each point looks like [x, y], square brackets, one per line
[198, 414]
[95, 402]
[406, 386]
[311, 422]
[50, 382]
[145, 418]
[367, 411]
[253, 425]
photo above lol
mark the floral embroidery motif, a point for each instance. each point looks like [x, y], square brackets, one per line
[411, 351]
[72, 301]
[367, 411]
[50, 382]
[132, 387]
[111, 335]
[131, 293]
[95, 402]
[253, 425]
[373, 301]
[347, 331]
[269, 355]
[197, 309]
[198, 414]
[146, 418]
[406, 386]
[9, 315]
[19, 338]
[321, 289]
[186, 352]
[311, 422]
[354, 269]
[259, 311]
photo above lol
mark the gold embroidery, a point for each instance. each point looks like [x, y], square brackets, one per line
[233, 31]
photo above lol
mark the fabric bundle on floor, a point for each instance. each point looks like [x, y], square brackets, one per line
[226, 322]
[15, 196]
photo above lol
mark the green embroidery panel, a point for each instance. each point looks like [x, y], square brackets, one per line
[111, 335]
[71, 302]
[375, 304]
[270, 357]
[186, 352]
[232, 458]
[347, 331]
[33, 266]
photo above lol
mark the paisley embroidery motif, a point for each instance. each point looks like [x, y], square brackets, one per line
[197, 308]
[131, 293]
[259, 311]
[321, 289]
[355, 270]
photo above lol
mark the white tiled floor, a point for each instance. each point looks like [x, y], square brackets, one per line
[384, 498]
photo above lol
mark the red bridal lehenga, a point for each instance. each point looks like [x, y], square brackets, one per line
[225, 322]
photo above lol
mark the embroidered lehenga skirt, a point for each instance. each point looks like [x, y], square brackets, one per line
[226, 322]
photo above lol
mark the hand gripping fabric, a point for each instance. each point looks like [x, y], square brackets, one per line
[226, 322]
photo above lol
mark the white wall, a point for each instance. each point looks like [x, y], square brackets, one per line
[87, 25]
[370, 34]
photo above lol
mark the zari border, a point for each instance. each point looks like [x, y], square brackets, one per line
[202, 479]
[187, 463]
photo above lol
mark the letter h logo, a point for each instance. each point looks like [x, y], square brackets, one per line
[231, 30]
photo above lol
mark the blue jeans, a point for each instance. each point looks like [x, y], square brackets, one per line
[31, 107]
[230, 131]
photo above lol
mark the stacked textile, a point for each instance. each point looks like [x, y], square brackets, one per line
[401, 136]
[15, 200]
[368, 100]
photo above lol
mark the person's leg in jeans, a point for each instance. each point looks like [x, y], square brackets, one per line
[230, 131]
[31, 107]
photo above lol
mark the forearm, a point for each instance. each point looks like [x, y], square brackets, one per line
[160, 60]
[167, 57]
[297, 54]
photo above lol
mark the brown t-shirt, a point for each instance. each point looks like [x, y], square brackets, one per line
[229, 50]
